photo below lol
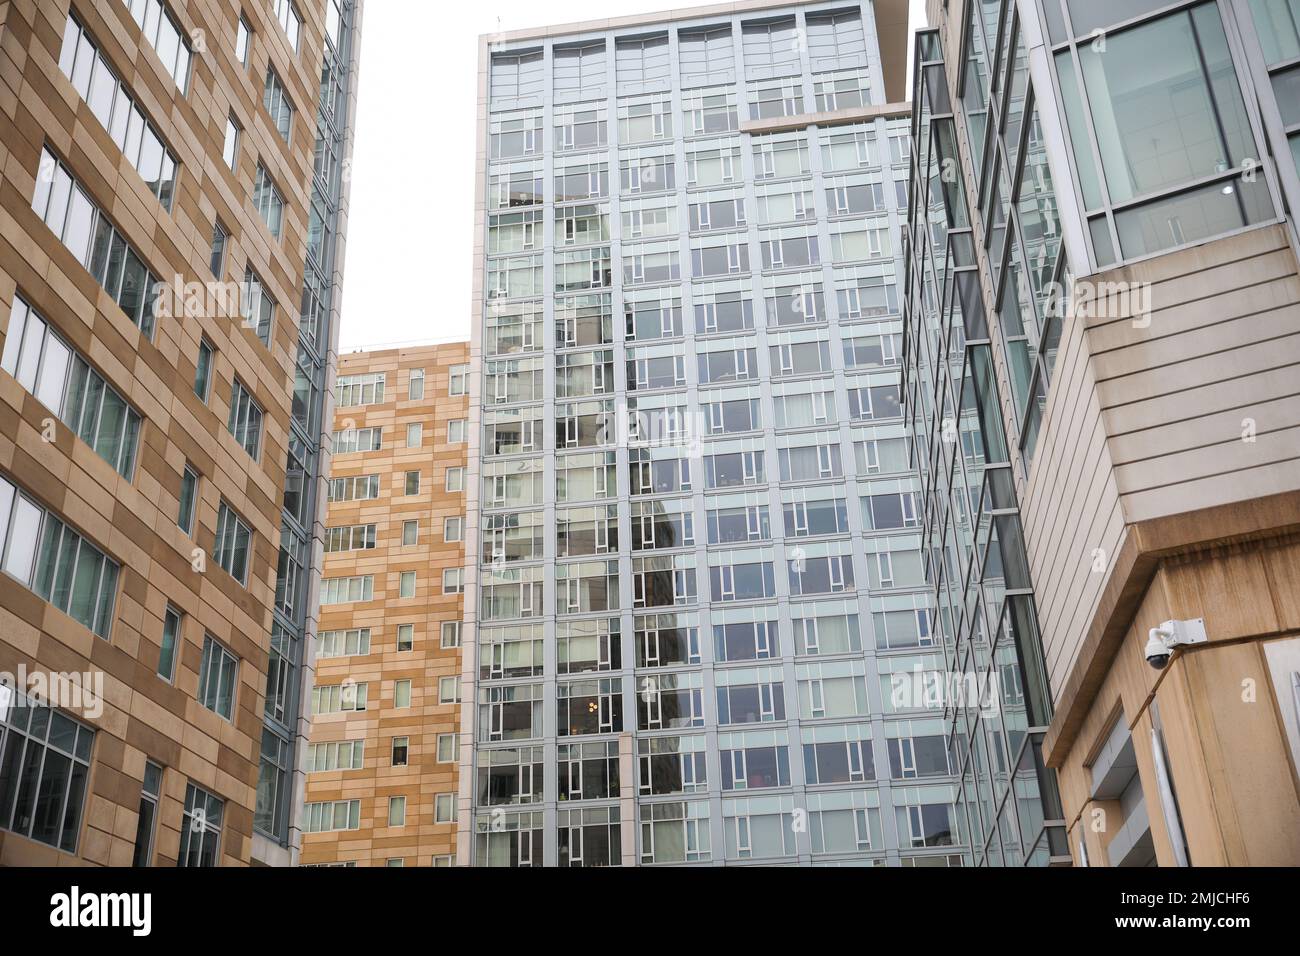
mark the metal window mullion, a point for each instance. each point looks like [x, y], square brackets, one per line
[1176, 190]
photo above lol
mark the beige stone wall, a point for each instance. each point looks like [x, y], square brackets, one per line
[424, 777]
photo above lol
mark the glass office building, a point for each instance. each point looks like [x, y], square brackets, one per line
[281, 785]
[697, 626]
[1076, 165]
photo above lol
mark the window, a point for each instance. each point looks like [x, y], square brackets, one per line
[516, 75]
[277, 103]
[410, 533]
[256, 307]
[268, 201]
[343, 643]
[230, 149]
[347, 755]
[150, 793]
[200, 828]
[396, 813]
[44, 801]
[217, 260]
[415, 384]
[364, 389]
[232, 544]
[580, 71]
[446, 748]
[346, 590]
[706, 55]
[360, 488]
[272, 770]
[405, 637]
[171, 638]
[925, 825]
[348, 697]
[203, 370]
[334, 23]
[352, 537]
[775, 99]
[406, 585]
[444, 808]
[772, 46]
[453, 529]
[357, 439]
[458, 380]
[457, 431]
[245, 421]
[189, 497]
[290, 21]
[456, 479]
[449, 690]
[1176, 65]
[911, 757]
[66, 384]
[243, 36]
[401, 751]
[167, 37]
[642, 60]
[91, 238]
[331, 815]
[118, 112]
[414, 434]
[42, 553]
[450, 634]
[402, 693]
[453, 580]
[836, 39]
[411, 483]
[217, 676]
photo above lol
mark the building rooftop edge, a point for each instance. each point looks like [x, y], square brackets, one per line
[890, 15]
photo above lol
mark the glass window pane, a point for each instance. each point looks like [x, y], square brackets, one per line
[53, 378]
[22, 539]
[1078, 127]
[1277, 22]
[1160, 119]
[85, 585]
[1197, 214]
[81, 217]
[103, 87]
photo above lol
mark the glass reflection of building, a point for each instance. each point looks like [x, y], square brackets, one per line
[697, 615]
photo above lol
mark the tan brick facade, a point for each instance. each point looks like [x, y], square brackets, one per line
[420, 839]
[135, 522]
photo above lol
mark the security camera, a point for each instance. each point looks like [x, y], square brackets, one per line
[1157, 652]
[1162, 640]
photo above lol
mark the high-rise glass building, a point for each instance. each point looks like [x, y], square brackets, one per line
[169, 280]
[281, 784]
[697, 626]
[1102, 335]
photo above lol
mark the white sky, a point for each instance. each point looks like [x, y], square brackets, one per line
[408, 269]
